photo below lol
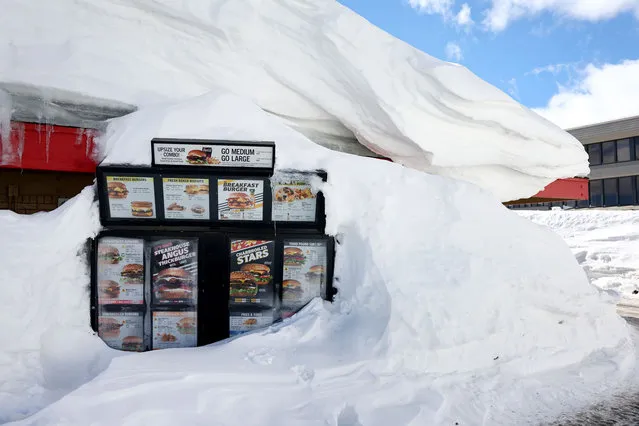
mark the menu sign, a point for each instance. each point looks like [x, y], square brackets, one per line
[240, 199]
[122, 330]
[174, 271]
[186, 198]
[174, 329]
[131, 197]
[242, 322]
[213, 155]
[120, 271]
[251, 279]
[293, 198]
[304, 272]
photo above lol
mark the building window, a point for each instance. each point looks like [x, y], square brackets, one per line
[626, 191]
[608, 152]
[611, 196]
[596, 193]
[623, 150]
[583, 203]
[594, 154]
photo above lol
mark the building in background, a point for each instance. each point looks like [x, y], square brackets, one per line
[613, 150]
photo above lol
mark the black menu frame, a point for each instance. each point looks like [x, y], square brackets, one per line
[213, 273]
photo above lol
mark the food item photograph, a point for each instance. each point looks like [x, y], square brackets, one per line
[131, 196]
[117, 190]
[294, 256]
[293, 198]
[242, 285]
[174, 329]
[240, 199]
[186, 198]
[251, 279]
[196, 156]
[174, 266]
[304, 272]
[120, 272]
[243, 321]
[122, 330]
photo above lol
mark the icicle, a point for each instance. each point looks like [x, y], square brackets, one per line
[49, 129]
[20, 130]
[79, 136]
[6, 110]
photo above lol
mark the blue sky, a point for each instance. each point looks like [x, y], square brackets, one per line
[570, 60]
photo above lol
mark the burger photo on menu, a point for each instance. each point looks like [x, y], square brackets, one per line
[117, 190]
[315, 274]
[196, 156]
[294, 256]
[292, 291]
[186, 325]
[141, 208]
[109, 255]
[240, 201]
[132, 343]
[133, 273]
[173, 284]
[260, 272]
[109, 328]
[242, 285]
[108, 289]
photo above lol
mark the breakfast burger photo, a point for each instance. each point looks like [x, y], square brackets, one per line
[242, 285]
[142, 208]
[117, 190]
[240, 201]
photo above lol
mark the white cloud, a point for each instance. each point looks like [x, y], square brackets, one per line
[552, 69]
[513, 89]
[463, 18]
[441, 7]
[503, 12]
[453, 51]
[602, 93]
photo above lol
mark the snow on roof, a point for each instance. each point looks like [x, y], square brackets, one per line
[318, 66]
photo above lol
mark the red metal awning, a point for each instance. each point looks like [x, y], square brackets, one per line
[49, 147]
[559, 190]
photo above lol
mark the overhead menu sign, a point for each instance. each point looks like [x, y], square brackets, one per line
[213, 154]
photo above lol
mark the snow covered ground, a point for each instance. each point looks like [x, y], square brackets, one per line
[323, 69]
[605, 243]
[454, 309]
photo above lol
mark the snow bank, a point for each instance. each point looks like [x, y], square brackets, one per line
[47, 346]
[605, 243]
[450, 307]
[323, 69]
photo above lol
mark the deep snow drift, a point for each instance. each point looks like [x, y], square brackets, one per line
[325, 70]
[605, 243]
[450, 309]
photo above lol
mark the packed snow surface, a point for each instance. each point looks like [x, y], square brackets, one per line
[605, 243]
[320, 67]
[451, 308]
